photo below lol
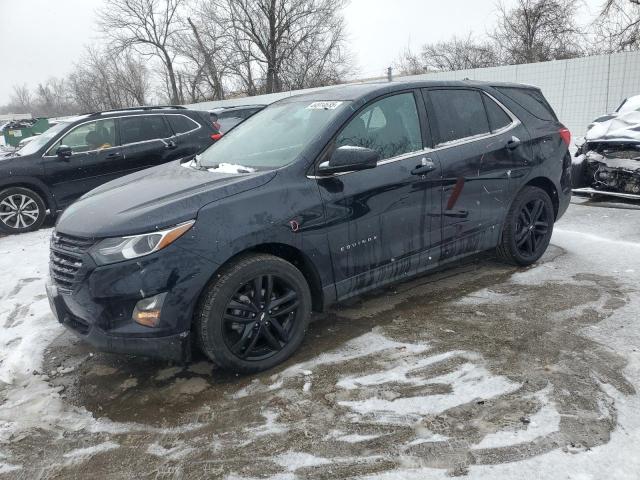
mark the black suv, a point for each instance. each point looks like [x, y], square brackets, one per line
[315, 199]
[81, 153]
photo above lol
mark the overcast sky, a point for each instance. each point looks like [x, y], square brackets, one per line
[43, 38]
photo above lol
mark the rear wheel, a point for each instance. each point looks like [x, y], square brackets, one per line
[528, 227]
[254, 315]
[21, 210]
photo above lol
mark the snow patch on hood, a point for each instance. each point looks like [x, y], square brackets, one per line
[222, 167]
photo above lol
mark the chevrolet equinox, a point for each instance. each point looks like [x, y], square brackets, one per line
[317, 198]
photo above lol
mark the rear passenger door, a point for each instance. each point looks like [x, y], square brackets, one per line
[146, 141]
[477, 157]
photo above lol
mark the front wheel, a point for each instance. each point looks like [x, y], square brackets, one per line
[528, 227]
[21, 210]
[254, 315]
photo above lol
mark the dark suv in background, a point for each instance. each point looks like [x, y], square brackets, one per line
[225, 118]
[83, 152]
[315, 199]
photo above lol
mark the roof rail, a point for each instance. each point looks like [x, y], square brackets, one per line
[140, 108]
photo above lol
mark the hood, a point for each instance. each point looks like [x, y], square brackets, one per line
[623, 128]
[152, 199]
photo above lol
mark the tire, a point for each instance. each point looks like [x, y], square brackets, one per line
[230, 318]
[21, 210]
[524, 238]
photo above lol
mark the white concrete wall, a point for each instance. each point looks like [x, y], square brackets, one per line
[579, 89]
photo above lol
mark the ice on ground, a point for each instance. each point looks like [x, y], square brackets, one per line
[356, 438]
[399, 373]
[544, 422]
[174, 453]
[367, 344]
[84, 453]
[295, 460]
[468, 383]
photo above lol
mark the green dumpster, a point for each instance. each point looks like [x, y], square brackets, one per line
[18, 130]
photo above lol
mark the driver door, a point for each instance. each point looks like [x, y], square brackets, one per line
[95, 153]
[380, 221]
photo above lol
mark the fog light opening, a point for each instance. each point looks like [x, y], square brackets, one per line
[148, 310]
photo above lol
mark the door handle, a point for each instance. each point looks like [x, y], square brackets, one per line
[114, 155]
[170, 145]
[427, 165]
[513, 143]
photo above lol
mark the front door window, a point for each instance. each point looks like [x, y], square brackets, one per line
[390, 126]
[89, 137]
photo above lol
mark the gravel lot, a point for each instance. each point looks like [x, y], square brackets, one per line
[484, 371]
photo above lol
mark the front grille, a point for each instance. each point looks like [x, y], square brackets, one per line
[66, 257]
[78, 325]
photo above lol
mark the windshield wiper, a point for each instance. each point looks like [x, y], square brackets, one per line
[197, 165]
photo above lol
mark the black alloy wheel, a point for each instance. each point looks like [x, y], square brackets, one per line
[528, 227]
[254, 313]
[260, 317]
[532, 227]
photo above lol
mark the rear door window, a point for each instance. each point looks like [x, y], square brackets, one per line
[181, 124]
[498, 118]
[458, 113]
[531, 100]
[389, 126]
[142, 128]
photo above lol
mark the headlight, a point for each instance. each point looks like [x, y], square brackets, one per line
[117, 249]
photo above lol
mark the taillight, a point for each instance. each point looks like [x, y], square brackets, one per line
[216, 136]
[216, 125]
[565, 134]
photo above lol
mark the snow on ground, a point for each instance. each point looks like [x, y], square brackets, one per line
[375, 397]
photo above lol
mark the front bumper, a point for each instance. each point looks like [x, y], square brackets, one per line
[98, 308]
[172, 347]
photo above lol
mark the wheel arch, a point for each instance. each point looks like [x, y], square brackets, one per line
[549, 187]
[297, 258]
[36, 186]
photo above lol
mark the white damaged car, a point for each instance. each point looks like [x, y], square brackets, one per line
[608, 162]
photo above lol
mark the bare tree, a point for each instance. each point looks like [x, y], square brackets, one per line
[409, 63]
[618, 26]
[102, 81]
[148, 27]
[459, 54]
[276, 32]
[538, 30]
[21, 100]
[454, 54]
[209, 44]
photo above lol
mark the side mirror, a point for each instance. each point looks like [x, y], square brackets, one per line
[349, 159]
[64, 152]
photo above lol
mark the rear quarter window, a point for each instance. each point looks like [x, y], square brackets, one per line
[498, 118]
[531, 100]
[181, 124]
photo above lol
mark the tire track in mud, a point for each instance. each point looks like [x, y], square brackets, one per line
[453, 371]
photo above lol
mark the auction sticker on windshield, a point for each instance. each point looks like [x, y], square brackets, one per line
[324, 105]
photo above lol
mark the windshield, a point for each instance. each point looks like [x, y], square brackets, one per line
[274, 137]
[42, 139]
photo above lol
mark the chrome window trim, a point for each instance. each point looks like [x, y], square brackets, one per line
[46, 154]
[455, 143]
